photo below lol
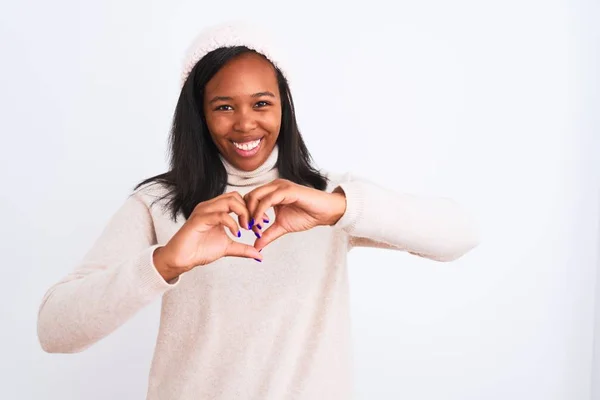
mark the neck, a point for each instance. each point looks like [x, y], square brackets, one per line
[265, 173]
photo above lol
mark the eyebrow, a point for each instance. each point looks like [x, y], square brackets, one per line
[227, 98]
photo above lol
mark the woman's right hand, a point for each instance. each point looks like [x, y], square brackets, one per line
[202, 238]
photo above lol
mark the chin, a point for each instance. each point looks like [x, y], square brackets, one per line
[250, 164]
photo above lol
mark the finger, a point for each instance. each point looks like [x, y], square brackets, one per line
[281, 196]
[203, 222]
[259, 226]
[270, 234]
[208, 204]
[266, 218]
[236, 249]
[257, 229]
[252, 198]
[244, 219]
[231, 204]
[225, 219]
[261, 223]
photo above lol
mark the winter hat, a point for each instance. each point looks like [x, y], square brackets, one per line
[232, 33]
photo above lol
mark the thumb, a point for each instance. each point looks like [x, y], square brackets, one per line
[270, 234]
[236, 249]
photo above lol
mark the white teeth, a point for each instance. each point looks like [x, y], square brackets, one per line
[248, 145]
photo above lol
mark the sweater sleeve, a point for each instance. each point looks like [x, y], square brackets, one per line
[115, 279]
[432, 227]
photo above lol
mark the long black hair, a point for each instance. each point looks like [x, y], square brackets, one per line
[196, 172]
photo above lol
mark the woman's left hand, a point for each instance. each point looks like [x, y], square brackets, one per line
[297, 208]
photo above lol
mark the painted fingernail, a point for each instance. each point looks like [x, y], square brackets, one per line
[266, 221]
[239, 234]
[258, 260]
[260, 250]
[257, 234]
[251, 223]
[259, 226]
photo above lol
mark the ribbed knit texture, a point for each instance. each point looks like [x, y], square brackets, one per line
[267, 172]
[235, 33]
[239, 329]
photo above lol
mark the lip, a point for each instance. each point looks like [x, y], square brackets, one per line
[248, 153]
[246, 140]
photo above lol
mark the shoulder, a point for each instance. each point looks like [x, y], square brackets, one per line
[152, 193]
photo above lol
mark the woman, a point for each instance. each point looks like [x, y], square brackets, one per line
[241, 188]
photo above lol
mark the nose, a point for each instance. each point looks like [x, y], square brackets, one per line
[244, 122]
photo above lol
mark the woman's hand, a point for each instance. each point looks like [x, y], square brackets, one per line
[202, 239]
[297, 208]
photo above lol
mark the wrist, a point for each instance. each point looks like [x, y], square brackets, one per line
[338, 207]
[163, 268]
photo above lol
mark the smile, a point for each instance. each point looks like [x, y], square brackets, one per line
[247, 146]
[247, 149]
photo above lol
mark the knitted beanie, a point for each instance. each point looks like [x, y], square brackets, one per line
[232, 33]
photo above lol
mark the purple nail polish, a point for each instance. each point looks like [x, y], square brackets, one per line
[266, 221]
[257, 234]
[239, 234]
[259, 226]
[258, 260]
[251, 223]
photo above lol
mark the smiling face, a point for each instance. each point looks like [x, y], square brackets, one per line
[243, 110]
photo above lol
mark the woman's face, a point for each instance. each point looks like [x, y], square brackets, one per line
[243, 110]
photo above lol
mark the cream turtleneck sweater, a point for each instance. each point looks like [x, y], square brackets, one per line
[267, 172]
[238, 329]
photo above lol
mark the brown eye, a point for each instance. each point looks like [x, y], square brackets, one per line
[262, 104]
[223, 108]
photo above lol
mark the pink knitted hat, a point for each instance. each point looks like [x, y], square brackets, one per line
[233, 33]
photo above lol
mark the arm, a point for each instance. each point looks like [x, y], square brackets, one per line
[115, 279]
[431, 227]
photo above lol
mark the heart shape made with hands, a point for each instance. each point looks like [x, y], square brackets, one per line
[296, 207]
[201, 241]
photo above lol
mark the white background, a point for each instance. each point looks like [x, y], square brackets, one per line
[493, 103]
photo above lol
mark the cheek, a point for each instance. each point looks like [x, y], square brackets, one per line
[219, 126]
[274, 123]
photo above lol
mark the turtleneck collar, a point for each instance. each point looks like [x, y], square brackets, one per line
[266, 173]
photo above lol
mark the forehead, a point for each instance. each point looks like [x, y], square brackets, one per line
[245, 74]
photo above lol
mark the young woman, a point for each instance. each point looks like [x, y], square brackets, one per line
[244, 241]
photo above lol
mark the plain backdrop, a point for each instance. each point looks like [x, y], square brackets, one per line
[492, 103]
